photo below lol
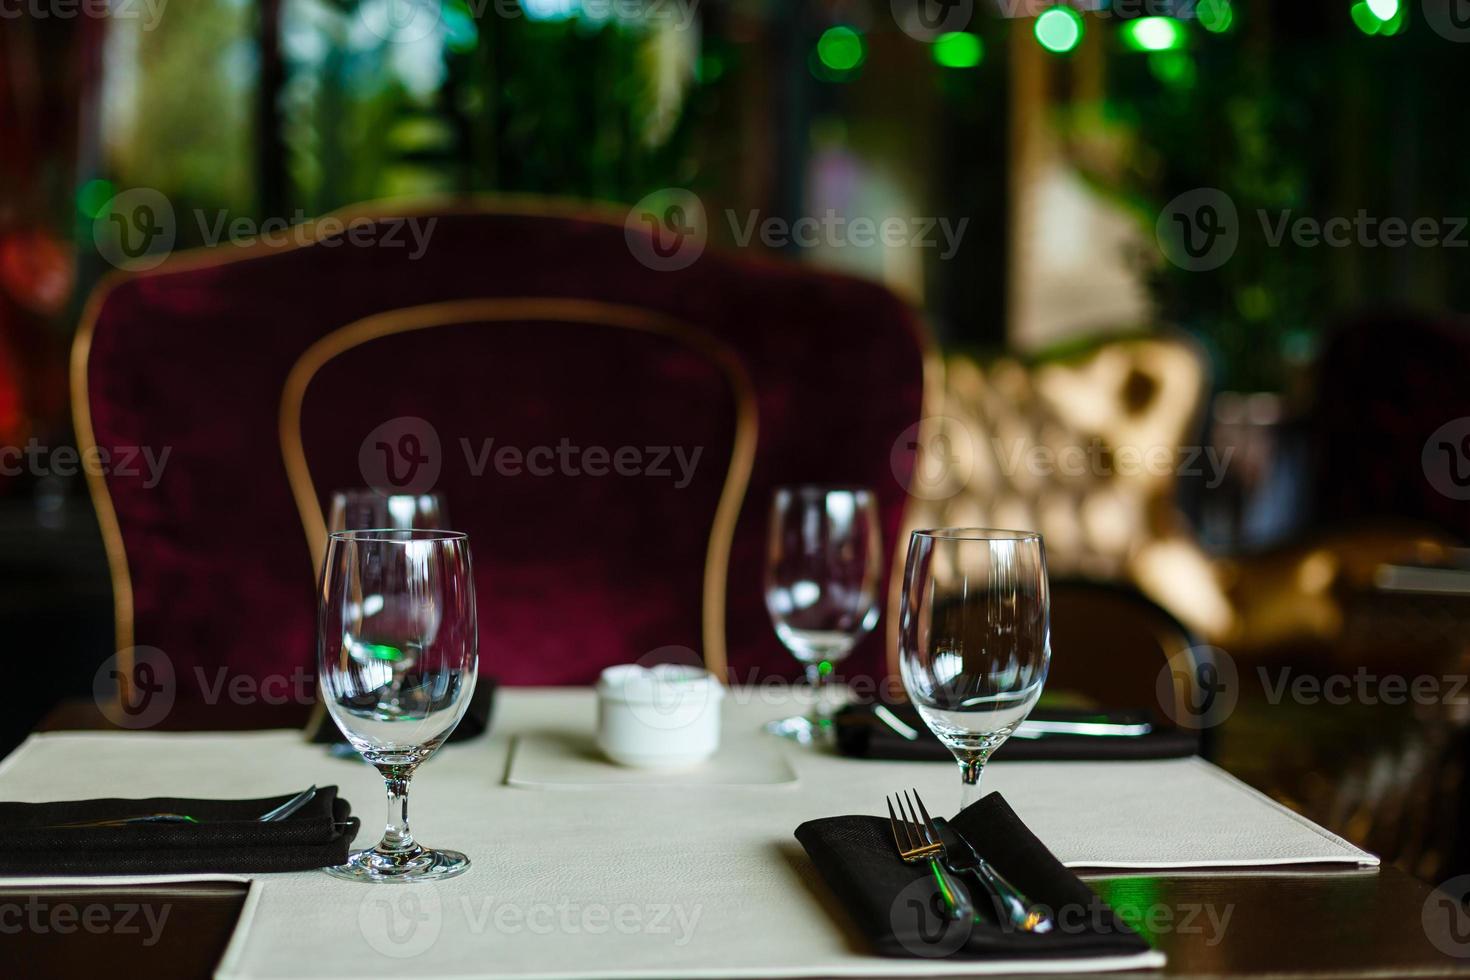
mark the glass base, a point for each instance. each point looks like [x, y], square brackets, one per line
[420, 864]
[798, 729]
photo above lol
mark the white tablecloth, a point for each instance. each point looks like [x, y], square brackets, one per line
[664, 880]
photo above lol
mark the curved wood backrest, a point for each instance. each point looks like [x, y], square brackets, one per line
[492, 312]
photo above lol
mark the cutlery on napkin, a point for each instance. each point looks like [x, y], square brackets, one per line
[899, 909]
[225, 836]
[274, 813]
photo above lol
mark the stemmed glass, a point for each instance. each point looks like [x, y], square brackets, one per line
[975, 637]
[823, 566]
[397, 658]
[364, 509]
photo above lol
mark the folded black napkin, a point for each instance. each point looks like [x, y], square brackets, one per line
[898, 909]
[476, 721]
[862, 734]
[229, 837]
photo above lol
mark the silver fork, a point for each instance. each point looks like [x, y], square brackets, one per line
[1015, 907]
[917, 843]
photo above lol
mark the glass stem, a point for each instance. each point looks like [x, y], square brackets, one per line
[817, 681]
[397, 838]
[970, 776]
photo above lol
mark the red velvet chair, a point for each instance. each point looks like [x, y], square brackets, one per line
[275, 375]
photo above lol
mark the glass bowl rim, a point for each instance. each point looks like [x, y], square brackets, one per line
[397, 535]
[977, 534]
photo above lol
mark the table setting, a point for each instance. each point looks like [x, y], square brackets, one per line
[660, 823]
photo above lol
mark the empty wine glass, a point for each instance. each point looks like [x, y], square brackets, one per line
[823, 567]
[397, 653]
[356, 510]
[364, 509]
[975, 637]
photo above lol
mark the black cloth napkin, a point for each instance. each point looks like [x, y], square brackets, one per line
[229, 837]
[898, 909]
[476, 721]
[862, 734]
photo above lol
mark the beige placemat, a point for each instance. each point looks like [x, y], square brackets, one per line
[571, 760]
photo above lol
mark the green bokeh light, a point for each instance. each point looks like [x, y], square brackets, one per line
[1394, 24]
[1059, 29]
[1215, 16]
[1367, 22]
[709, 68]
[1153, 34]
[93, 196]
[958, 49]
[1368, 16]
[1173, 68]
[460, 33]
[841, 48]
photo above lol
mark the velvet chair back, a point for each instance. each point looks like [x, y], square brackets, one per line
[596, 455]
[212, 562]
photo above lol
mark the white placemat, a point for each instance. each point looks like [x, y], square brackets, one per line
[668, 881]
[571, 760]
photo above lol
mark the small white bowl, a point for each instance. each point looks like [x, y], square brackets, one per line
[661, 718]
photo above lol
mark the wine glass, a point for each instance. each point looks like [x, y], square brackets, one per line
[364, 509]
[975, 637]
[355, 510]
[823, 566]
[397, 655]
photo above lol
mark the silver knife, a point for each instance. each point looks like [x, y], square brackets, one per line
[1034, 728]
[1038, 728]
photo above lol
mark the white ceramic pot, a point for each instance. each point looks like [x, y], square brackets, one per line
[663, 717]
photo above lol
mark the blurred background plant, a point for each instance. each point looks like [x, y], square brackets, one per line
[1056, 134]
[1304, 110]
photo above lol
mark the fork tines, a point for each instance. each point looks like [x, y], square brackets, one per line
[915, 839]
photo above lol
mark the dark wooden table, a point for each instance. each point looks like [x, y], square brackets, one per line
[1299, 923]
